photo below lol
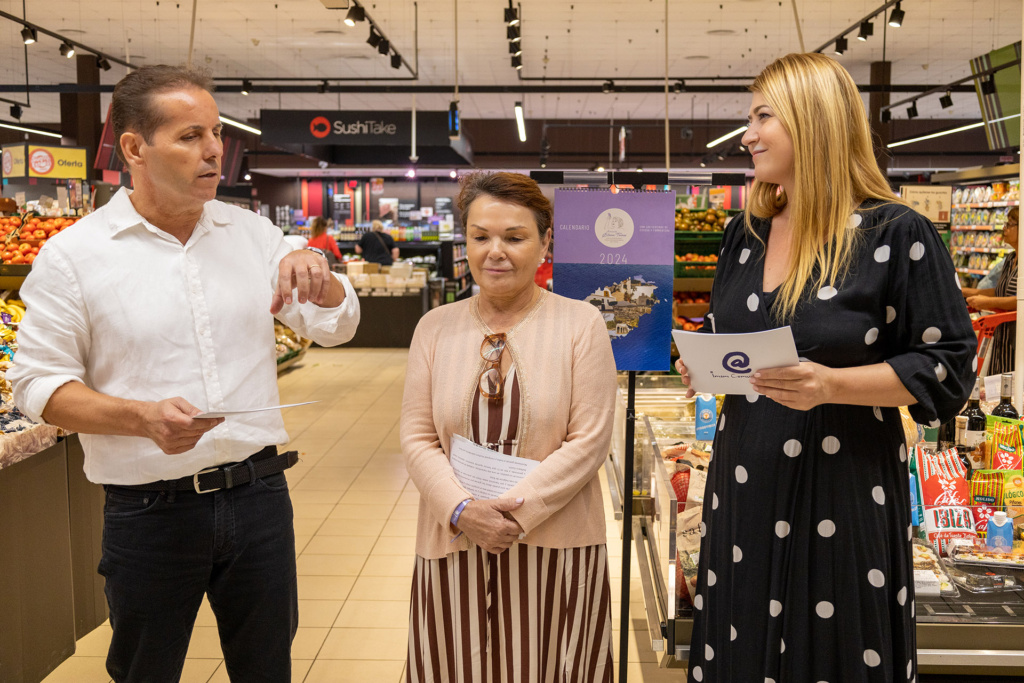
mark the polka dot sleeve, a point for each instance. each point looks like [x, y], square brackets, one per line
[735, 232]
[934, 347]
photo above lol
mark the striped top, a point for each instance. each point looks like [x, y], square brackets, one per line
[496, 425]
[1004, 340]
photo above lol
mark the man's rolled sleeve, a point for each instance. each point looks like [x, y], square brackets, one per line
[53, 337]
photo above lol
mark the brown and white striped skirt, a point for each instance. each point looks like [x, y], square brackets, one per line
[529, 615]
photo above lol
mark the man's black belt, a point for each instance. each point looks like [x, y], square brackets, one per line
[256, 466]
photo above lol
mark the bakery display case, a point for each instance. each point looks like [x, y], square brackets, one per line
[970, 616]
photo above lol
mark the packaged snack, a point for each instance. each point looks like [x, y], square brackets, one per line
[1006, 447]
[966, 552]
[986, 497]
[930, 576]
[1013, 499]
[946, 499]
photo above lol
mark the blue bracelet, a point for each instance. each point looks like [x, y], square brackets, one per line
[458, 512]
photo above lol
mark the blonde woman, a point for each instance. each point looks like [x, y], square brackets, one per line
[805, 568]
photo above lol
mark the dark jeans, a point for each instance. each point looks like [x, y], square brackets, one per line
[162, 552]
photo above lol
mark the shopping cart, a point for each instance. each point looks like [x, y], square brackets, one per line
[985, 327]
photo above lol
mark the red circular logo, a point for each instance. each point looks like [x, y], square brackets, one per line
[8, 162]
[320, 127]
[41, 161]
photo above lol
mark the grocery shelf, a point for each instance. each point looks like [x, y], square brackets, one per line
[693, 284]
[700, 233]
[987, 205]
[972, 271]
[975, 227]
[982, 250]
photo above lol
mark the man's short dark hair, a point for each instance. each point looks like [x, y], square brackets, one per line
[132, 106]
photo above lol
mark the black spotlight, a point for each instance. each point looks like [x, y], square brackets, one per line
[246, 86]
[517, 61]
[912, 110]
[946, 100]
[355, 13]
[988, 86]
[67, 49]
[896, 18]
[374, 39]
[608, 86]
[515, 49]
[396, 61]
[102, 63]
[886, 115]
[841, 45]
[720, 156]
[29, 35]
[867, 29]
[513, 33]
[16, 112]
[679, 86]
[384, 47]
[511, 14]
[322, 88]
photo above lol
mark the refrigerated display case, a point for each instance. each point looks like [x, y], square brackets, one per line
[970, 632]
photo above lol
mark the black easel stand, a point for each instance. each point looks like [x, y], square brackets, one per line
[627, 526]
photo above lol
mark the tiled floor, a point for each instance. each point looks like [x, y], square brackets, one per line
[355, 522]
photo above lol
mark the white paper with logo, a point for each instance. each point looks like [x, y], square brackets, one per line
[484, 472]
[724, 363]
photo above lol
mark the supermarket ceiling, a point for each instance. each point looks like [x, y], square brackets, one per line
[593, 40]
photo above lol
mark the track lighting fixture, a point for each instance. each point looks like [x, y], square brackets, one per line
[374, 39]
[67, 49]
[453, 174]
[246, 86]
[896, 18]
[102, 63]
[29, 35]
[608, 86]
[396, 61]
[679, 86]
[355, 13]
[946, 100]
[886, 115]
[867, 29]
[517, 61]
[515, 49]
[912, 110]
[322, 88]
[841, 45]
[988, 86]
[16, 112]
[384, 47]
[514, 34]
[520, 122]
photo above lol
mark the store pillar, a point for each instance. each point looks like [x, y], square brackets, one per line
[80, 122]
[881, 74]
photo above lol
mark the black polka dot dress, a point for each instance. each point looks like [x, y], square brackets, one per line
[805, 571]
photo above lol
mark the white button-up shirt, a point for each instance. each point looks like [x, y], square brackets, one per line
[123, 307]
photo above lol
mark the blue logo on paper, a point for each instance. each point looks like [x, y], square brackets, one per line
[736, 362]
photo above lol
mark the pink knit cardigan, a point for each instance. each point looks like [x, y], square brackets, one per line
[566, 370]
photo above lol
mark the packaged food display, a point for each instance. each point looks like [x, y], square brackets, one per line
[946, 497]
[930, 575]
[975, 553]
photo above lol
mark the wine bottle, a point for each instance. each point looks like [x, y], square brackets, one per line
[946, 438]
[1005, 407]
[974, 437]
[962, 451]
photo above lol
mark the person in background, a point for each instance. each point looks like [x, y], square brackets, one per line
[377, 246]
[1001, 298]
[319, 239]
[156, 308]
[514, 588]
[818, 585]
[546, 269]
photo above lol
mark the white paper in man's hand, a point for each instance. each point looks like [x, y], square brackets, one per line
[485, 473]
[246, 411]
[724, 363]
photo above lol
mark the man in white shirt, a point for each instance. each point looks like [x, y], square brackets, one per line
[156, 308]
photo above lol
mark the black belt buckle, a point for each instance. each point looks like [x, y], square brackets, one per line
[195, 481]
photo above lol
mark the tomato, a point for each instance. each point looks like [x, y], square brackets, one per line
[35, 250]
[39, 234]
[17, 258]
[16, 221]
[30, 258]
[6, 255]
[24, 247]
[52, 233]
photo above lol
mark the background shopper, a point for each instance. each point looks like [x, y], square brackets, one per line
[159, 302]
[531, 374]
[377, 246]
[818, 584]
[319, 239]
[1003, 297]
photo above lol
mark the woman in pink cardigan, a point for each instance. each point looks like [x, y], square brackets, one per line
[514, 588]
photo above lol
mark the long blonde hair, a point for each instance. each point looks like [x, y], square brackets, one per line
[817, 102]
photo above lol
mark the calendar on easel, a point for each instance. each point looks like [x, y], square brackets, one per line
[615, 250]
